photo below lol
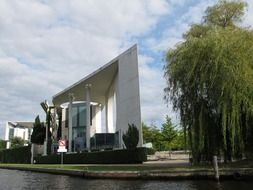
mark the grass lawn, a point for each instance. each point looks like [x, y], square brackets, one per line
[138, 167]
[160, 168]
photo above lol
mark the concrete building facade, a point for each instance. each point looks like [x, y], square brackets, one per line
[95, 111]
[18, 129]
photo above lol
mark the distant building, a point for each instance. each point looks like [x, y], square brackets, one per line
[18, 129]
[95, 112]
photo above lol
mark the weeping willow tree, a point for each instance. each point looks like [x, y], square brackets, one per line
[210, 82]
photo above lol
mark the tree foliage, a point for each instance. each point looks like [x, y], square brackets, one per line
[169, 137]
[225, 13]
[168, 130]
[131, 137]
[2, 144]
[151, 134]
[39, 132]
[17, 142]
[210, 82]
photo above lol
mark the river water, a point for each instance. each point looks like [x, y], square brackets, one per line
[22, 180]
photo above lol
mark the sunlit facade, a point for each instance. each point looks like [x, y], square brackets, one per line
[95, 112]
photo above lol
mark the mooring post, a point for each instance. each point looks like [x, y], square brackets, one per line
[32, 152]
[216, 168]
[61, 159]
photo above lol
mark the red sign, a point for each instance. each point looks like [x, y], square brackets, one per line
[62, 142]
[62, 146]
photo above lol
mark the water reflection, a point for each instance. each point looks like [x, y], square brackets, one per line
[20, 180]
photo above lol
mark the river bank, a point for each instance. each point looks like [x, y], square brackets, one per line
[23, 180]
[151, 172]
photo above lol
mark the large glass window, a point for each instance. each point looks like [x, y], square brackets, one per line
[11, 133]
[82, 114]
[29, 135]
[75, 116]
[78, 115]
[67, 118]
[79, 126]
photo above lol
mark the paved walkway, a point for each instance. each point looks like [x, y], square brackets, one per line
[169, 163]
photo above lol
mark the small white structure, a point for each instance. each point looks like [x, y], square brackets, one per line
[148, 145]
[18, 129]
[97, 109]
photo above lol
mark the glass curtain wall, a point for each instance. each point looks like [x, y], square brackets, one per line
[78, 127]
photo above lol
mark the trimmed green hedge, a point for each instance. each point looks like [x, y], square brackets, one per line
[125, 156]
[21, 155]
[150, 151]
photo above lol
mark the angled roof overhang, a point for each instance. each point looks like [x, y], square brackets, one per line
[100, 81]
[21, 124]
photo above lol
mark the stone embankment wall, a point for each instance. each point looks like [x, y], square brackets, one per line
[169, 155]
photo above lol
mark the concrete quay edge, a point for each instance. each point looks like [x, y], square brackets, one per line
[225, 174]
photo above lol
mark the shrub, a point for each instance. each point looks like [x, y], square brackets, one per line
[150, 151]
[2, 144]
[20, 155]
[17, 142]
[39, 132]
[126, 156]
[131, 137]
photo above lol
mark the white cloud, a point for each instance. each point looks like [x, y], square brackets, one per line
[42, 44]
[169, 37]
[173, 34]
[248, 22]
[152, 83]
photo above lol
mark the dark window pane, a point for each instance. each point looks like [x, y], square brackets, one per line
[74, 116]
[82, 116]
[11, 133]
[67, 118]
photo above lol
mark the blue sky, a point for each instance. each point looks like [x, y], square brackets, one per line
[42, 43]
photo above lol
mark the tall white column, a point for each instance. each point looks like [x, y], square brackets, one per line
[55, 125]
[140, 136]
[87, 89]
[71, 97]
[45, 141]
[106, 114]
[47, 127]
[32, 152]
[120, 139]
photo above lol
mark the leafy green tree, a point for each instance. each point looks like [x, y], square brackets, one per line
[173, 137]
[168, 130]
[210, 82]
[17, 142]
[48, 123]
[169, 137]
[152, 134]
[39, 132]
[248, 135]
[2, 144]
[131, 137]
[179, 143]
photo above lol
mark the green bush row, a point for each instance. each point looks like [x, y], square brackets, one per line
[125, 156]
[21, 155]
[150, 151]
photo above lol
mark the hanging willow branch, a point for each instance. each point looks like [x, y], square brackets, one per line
[210, 82]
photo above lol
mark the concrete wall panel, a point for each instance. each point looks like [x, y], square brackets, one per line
[128, 95]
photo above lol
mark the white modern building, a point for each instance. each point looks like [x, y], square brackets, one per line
[95, 112]
[18, 129]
